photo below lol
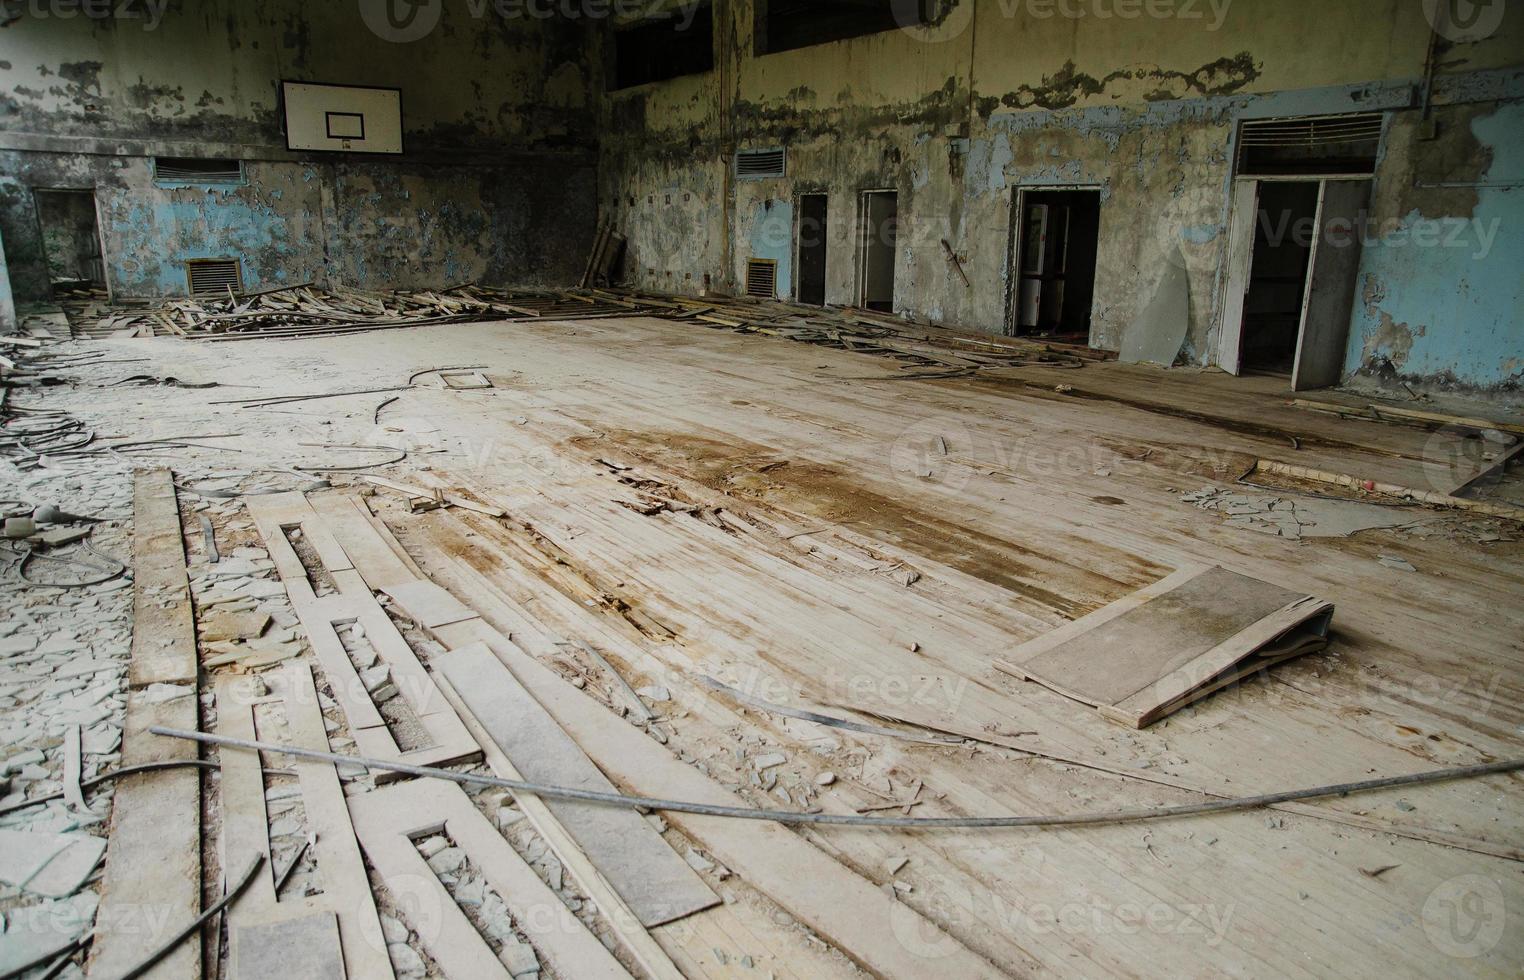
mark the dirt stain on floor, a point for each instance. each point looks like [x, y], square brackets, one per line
[834, 496]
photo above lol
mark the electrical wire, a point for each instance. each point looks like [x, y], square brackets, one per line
[550, 791]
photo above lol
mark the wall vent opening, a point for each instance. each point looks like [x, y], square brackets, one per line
[757, 164]
[762, 278]
[200, 171]
[213, 277]
[1345, 144]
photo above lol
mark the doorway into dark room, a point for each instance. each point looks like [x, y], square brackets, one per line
[812, 249]
[1059, 234]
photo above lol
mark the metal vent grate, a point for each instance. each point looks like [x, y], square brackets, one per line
[762, 278]
[208, 171]
[1311, 144]
[213, 277]
[757, 164]
[1312, 132]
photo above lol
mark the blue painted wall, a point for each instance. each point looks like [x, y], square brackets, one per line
[7, 301]
[1442, 294]
[772, 237]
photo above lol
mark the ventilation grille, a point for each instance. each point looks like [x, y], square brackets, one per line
[762, 278]
[1313, 132]
[213, 277]
[1310, 145]
[757, 164]
[197, 170]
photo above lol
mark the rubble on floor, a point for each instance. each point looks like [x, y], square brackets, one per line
[1297, 517]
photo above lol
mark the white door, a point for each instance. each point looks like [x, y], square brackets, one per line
[1329, 295]
[1240, 270]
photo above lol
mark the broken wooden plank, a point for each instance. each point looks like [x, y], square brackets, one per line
[298, 948]
[1148, 654]
[428, 604]
[164, 633]
[454, 500]
[655, 882]
[345, 897]
[448, 740]
[1497, 467]
[834, 901]
[348, 520]
[621, 919]
[389, 820]
[152, 881]
[1509, 511]
[827, 897]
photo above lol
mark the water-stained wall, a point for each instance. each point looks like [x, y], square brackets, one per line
[497, 184]
[999, 97]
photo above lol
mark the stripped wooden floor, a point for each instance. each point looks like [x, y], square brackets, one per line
[700, 504]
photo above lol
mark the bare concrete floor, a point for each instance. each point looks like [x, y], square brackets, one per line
[711, 505]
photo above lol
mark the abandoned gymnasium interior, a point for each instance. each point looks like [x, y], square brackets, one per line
[761, 489]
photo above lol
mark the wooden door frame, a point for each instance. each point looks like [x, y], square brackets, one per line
[1312, 268]
[798, 240]
[100, 232]
[1013, 244]
[861, 293]
[1242, 218]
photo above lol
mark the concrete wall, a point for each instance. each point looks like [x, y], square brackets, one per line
[497, 184]
[1442, 281]
[7, 301]
[1002, 96]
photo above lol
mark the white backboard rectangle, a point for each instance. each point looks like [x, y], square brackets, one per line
[342, 118]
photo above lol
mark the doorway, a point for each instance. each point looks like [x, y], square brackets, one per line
[880, 231]
[1272, 319]
[71, 241]
[812, 249]
[1058, 237]
[1293, 264]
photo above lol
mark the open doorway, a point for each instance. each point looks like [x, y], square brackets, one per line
[1278, 276]
[1300, 193]
[71, 241]
[880, 221]
[812, 249]
[1058, 235]
[1293, 270]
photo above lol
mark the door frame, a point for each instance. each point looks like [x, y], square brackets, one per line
[1013, 243]
[1243, 216]
[861, 292]
[100, 232]
[799, 240]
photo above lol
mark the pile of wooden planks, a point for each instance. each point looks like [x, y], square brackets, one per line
[307, 311]
[933, 351]
[926, 349]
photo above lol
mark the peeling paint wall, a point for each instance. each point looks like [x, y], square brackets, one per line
[497, 183]
[996, 98]
[1442, 286]
[7, 301]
